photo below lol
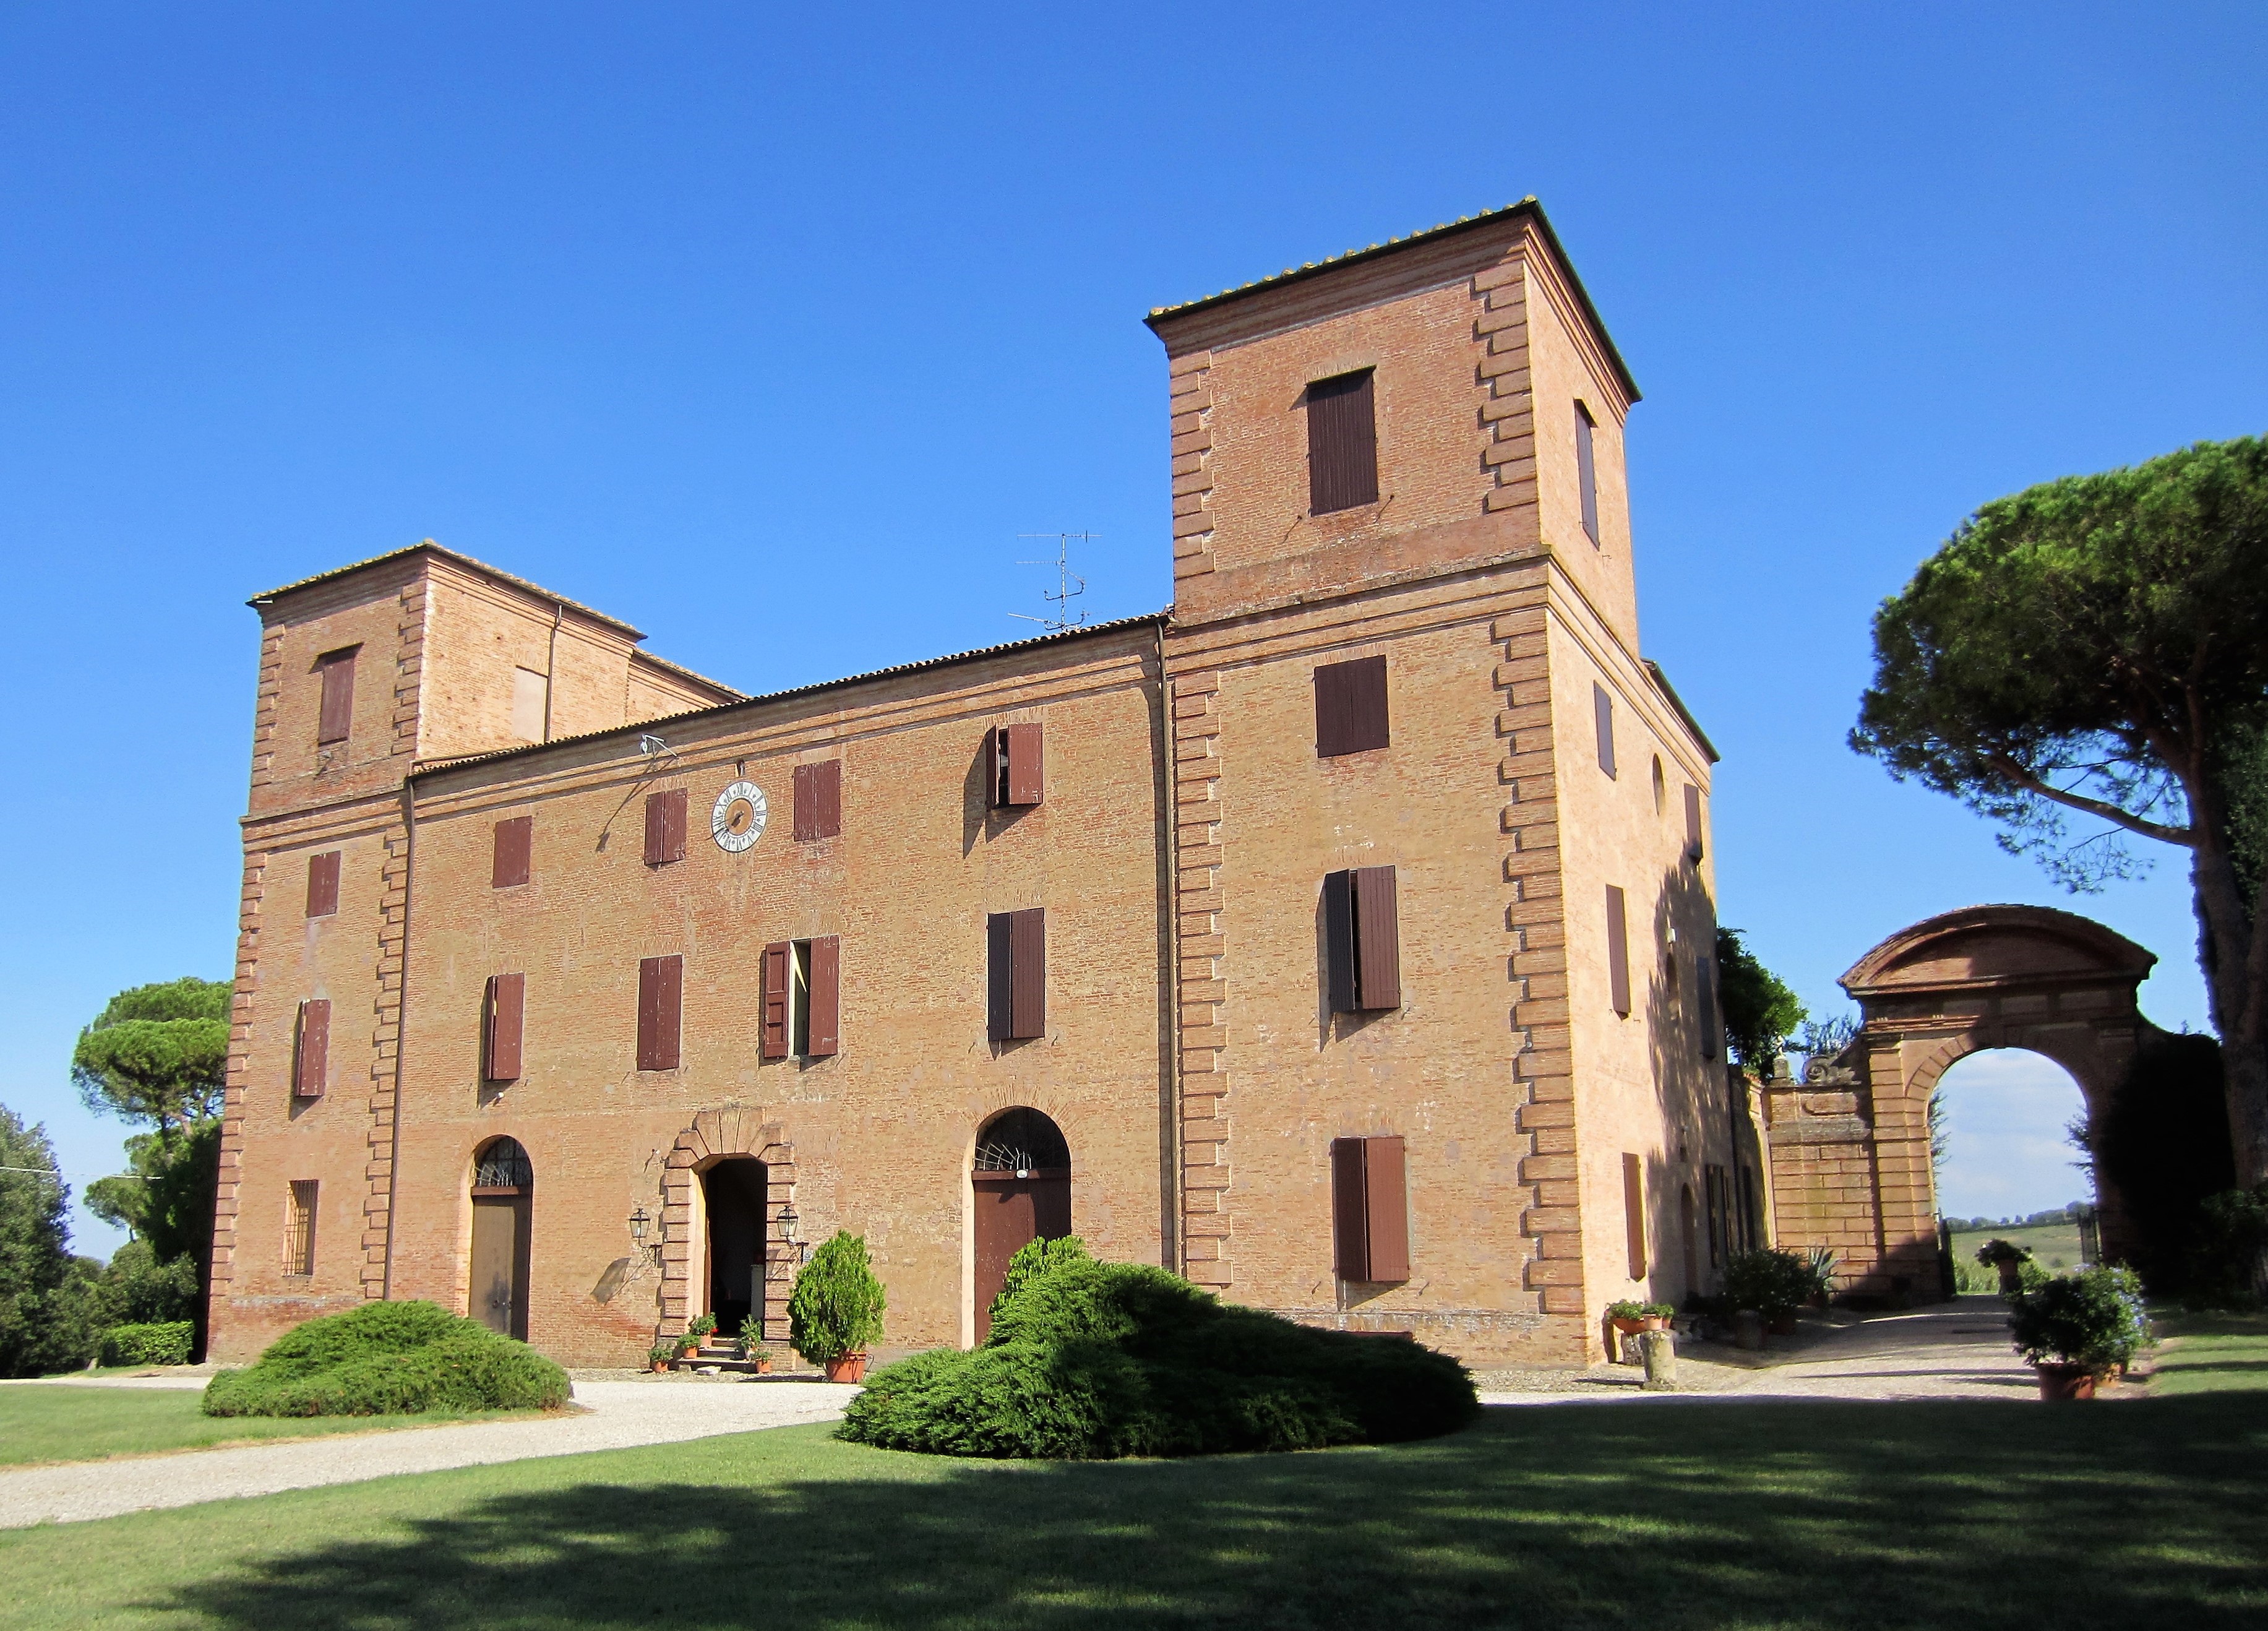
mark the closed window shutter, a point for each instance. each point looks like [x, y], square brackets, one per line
[1692, 821]
[1350, 706]
[312, 1063]
[1386, 1184]
[1377, 940]
[999, 963]
[1712, 1029]
[1634, 1216]
[515, 844]
[1027, 986]
[830, 799]
[826, 997]
[336, 720]
[1338, 941]
[818, 801]
[1602, 717]
[664, 827]
[323, 885]
[507, 1008]
[778, 998]
[1350, 1212]
[1586, 470]
[807, 804]
[1025, 780]
[661, 991]
[1617, 952]
[1342, 443]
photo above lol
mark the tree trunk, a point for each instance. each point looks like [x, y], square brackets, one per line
[2237, 983]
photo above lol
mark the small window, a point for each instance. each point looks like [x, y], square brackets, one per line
[1342, 443]
[1660, 787]
[1716, 1190]
[803, 999]
[1692, 821]
[1016, 974]
[1014, 777]
[323, 885]
[515, 845]
[502, 1019]
[1617, 952]
[531, 705]
[661, 999]
[1634, 1216]
[299, 1228]
[664, 827]
[1349, 707]
[1704, 983]
[1362, 940]
[1586, 470]
[336, 719]
[1602, 721]
[311, 1049]
[1370, 1210]
[818, 801]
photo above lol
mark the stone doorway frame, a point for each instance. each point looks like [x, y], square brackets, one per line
[1848, 1145]
[714, 1134]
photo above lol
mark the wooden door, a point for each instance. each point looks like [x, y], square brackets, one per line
[1012, 1212]
[498, 1293]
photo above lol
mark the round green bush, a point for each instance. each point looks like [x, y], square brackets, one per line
[389, 1359]
[2094, 1317]
[1090, 1361]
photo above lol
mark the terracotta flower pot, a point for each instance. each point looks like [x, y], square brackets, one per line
[661, 1367]
[1632, 1327]
[763, 1367]
[1781, 1324]
[2061, 1382]
[850, 1367]
[2011, 1277]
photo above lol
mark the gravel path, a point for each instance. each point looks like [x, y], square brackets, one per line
[618, 1415]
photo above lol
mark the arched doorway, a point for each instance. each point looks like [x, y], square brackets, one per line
[504, 1195]
[1021, 1190]
[1689, 1236]
[2004, 1165]
[733, 1192]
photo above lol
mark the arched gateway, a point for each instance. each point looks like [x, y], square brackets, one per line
[729, 1179]
[1850, 1143]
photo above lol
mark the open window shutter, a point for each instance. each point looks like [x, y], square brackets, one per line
[778, 998]
[1026, 780]
[1602, 714]
[1587, 471]
[1027, 985]
[337, 716]
[1386, 1207]
[1350, 706]
[1342, 442]
[1692, 821]
[1377, 940]
[507, 1008]
[674, 806]
[826, 997]
[826, 784]
[1634, 1216]
[807, 804]
[661, 994]
[1000, 961]
[312, 1063]
[1338, 941]
[1617, 952]
[323, 885]
[515, 843]
[1350, 1212]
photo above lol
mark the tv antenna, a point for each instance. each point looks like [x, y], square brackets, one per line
[1069, 584]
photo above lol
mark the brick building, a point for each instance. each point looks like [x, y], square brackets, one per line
[1341, 937]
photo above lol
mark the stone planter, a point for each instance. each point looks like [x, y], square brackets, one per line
[1748, 1329]
[850, 1367]
[2062, 1382]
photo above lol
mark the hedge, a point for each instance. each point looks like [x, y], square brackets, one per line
[166, 1342]
[389, 1359]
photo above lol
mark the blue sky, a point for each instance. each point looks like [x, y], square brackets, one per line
[771, 332]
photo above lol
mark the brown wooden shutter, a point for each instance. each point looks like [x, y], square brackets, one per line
[336, 719]
[807, 804]
[1634, 1216]
[826, 1021]
[1692, 821]
[515, 844]
[779, 999]
[311, 1068]
[1386, 1185]
[1339, 943]
[664, 827]
[1617, 952]
[507, 1008]
[661, 997]
[999, 966]
[1350, 1212]
[1342, 443]
[1377, 940]
[1713, 1029]
[1587, 471]
[323, 885]
[1027, 973]
[996, 770]
[818, 801]
[1349, 707]
[1025, 778]
[1603, 720]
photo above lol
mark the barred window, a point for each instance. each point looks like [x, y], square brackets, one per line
[299, 1229]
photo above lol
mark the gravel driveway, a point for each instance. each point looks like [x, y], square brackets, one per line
[618, 1415]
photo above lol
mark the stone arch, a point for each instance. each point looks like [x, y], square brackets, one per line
[713, 1135]
[1848, 1145]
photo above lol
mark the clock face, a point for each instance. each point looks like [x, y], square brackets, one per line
[738, 821]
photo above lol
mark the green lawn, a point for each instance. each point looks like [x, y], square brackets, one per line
[1985, 1516]
[2210, 1354]
[2053, 1246]
[63, 1423]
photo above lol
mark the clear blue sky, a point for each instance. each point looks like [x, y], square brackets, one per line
[769, 332]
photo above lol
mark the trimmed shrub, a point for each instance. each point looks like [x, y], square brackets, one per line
[166, 1342]
[2094, 1318]
[1769, 1281]
[1091, 1361]
[837, 1304]
[389, 1359]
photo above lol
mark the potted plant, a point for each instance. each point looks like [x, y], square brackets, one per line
[836, 1310]
[1820, 1262]
[658, 1358]
[2078, 1330]
[1770, 1284]
[756, 1354]
[2009, 1259]
[1630, 1316]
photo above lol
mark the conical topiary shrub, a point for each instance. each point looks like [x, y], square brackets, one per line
[836, 1308]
